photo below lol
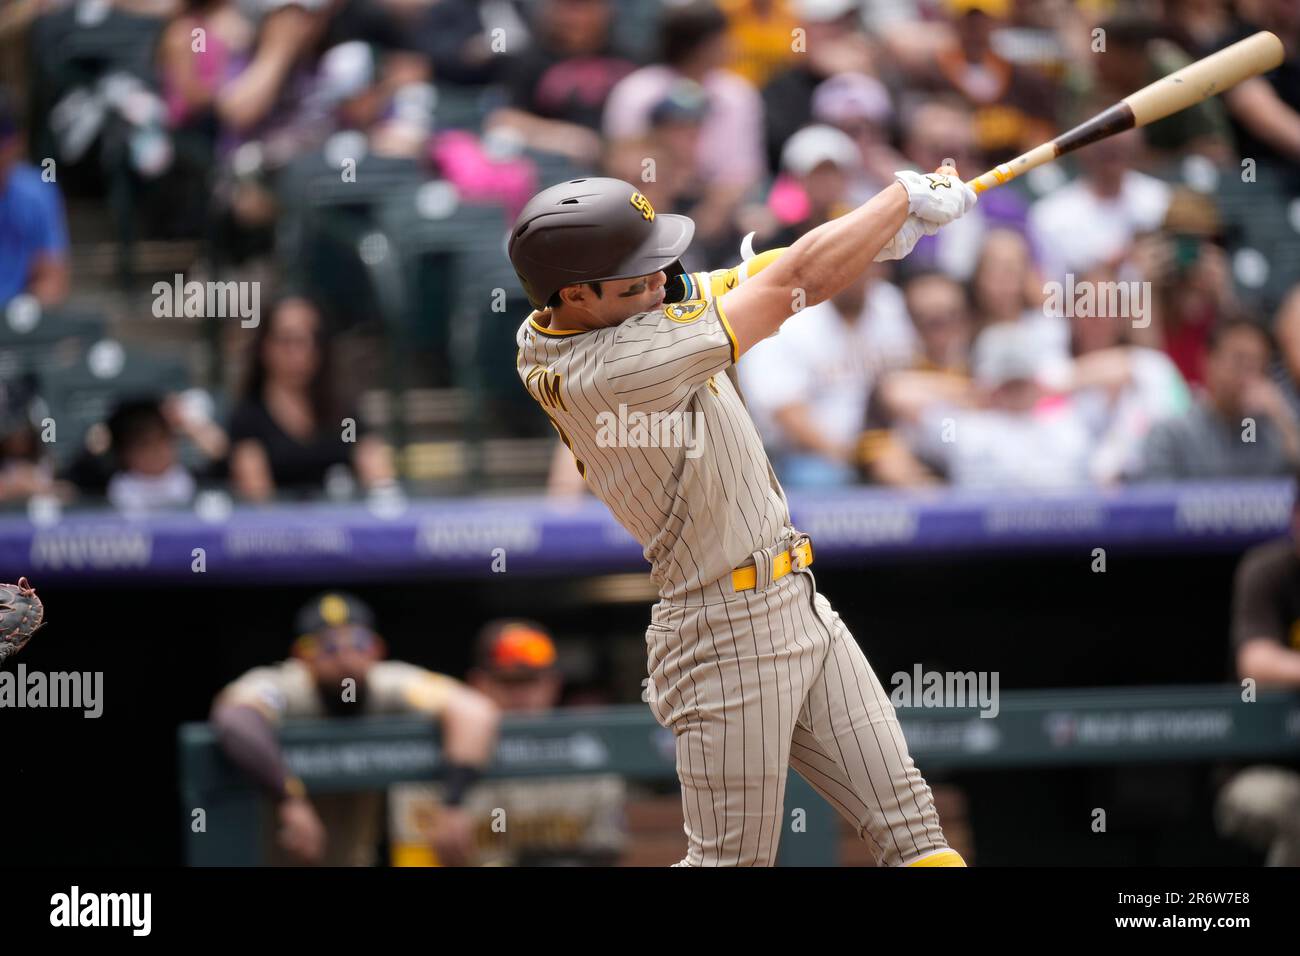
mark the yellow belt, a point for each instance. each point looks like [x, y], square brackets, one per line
[744, 579]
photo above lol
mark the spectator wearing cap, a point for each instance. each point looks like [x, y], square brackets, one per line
[860, 105]
[556, 89]
[337, 670]
[678, 184]
[694, 46]
[808, 385]
[1003, 430]
[33, 229]
[559, 821]
[818, 165]
[1241, 427]
[834, 43]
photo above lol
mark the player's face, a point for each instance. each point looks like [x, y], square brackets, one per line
[343, 652]
[623, 298]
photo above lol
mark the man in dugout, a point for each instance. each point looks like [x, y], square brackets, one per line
[337, 670]
[574, 820]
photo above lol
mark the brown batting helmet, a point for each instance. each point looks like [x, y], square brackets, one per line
[589, 230]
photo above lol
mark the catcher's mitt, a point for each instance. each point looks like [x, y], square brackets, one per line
[21, 613]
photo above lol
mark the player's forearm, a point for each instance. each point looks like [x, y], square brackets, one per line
[249, 740]
[1269, 664]
[469, 729]
[829, 258]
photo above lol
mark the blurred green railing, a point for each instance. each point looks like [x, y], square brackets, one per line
[1031, 728]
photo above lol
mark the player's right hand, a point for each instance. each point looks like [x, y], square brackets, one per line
[938, 197]
[302, 834]
[453, 837]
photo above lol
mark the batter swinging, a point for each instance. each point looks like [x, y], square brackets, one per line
[749, 666]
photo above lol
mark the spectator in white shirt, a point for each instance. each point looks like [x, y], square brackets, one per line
[1093, 220]
[940, 313]
[807, 386]
[1121, 390]
[1004, 431]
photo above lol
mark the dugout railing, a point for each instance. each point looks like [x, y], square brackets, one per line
[221, 813]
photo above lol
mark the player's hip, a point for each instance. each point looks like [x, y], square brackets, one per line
[767, 603]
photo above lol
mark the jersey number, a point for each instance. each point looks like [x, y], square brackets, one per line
[582, 469]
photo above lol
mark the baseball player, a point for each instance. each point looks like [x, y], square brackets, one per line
[337, 670]
[634, 362]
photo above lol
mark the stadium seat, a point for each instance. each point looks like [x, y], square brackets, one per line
[39, 341]
[84, 393]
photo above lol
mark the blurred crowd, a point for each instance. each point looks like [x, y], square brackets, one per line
[1129, 313]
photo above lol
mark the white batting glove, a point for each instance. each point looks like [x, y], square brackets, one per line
[905, 240]
[936, 197]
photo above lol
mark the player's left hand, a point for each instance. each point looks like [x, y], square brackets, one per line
[453, 837]
[938, 197]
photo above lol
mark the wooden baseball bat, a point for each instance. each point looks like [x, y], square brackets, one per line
[1183, 88]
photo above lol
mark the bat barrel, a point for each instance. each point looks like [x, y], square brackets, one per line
[1186, 87]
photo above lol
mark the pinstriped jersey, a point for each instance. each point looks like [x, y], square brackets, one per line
[651, 411]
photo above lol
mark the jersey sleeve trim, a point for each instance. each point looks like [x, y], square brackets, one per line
[557, 333]
[735, 346]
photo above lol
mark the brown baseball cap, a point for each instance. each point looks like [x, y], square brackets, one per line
[590, 230]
